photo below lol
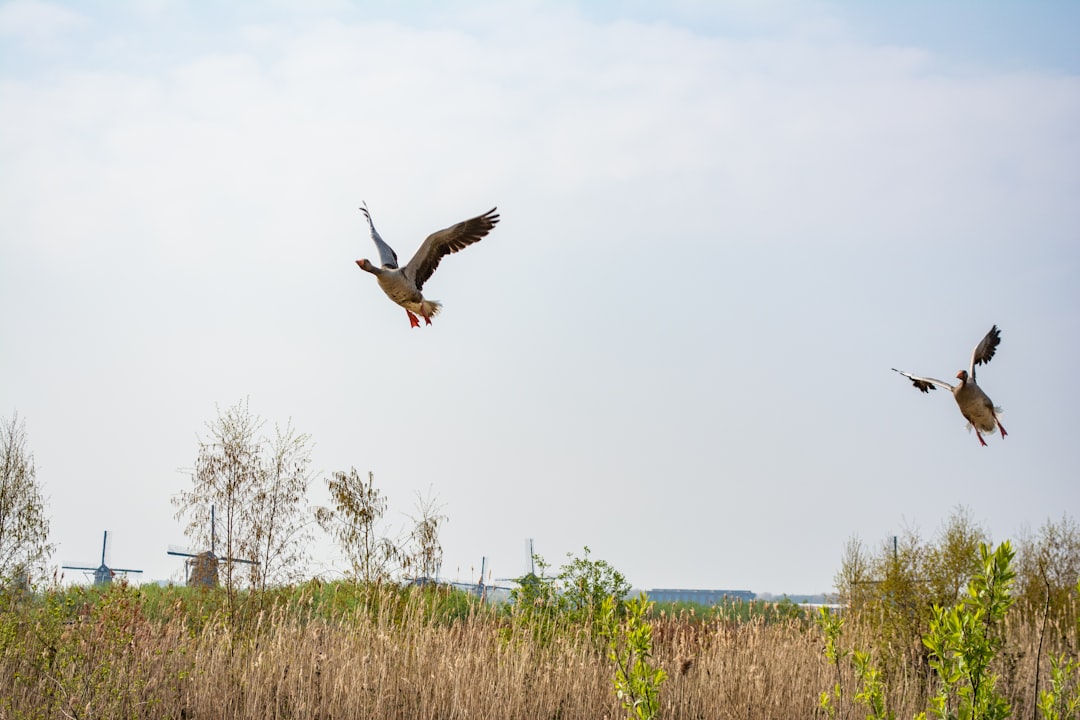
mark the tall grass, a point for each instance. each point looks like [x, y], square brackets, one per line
[345, 651]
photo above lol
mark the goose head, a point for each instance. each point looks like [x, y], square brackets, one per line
[962, 376]
[365, 264]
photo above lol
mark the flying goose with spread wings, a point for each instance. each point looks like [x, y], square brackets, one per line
[403, 285]
[974, 404]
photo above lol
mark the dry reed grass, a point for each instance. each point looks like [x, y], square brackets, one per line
[385, 661]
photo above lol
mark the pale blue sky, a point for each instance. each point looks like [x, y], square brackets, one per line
[722, 224]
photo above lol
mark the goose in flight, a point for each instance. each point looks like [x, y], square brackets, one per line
[974, 404]
[403, 284]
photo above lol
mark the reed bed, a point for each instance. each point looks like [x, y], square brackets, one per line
[125, 655]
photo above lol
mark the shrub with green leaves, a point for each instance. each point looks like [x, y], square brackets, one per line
[964, 640]
[871, 686]
[637, 681]
[831, 625]
[587, 584]
[570, 601]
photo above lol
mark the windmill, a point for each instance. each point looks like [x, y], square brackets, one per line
[103, 574]
[202, 568]
[530, 578]
[479, 589]
[487, 592]
[530, 567]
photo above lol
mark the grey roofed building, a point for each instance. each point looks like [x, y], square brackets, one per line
[701, 597]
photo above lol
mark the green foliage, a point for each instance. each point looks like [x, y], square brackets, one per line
[964, 639]
[871, 687]
[629, 640]
[587, 584]
[1062, 700]
[536, 605]
[72, 646]
[899, 585]
[572, 601]
[831, 625]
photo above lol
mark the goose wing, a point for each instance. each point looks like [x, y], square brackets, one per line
[446, 241]
[387, 256]
[925, 384]
[984, 351]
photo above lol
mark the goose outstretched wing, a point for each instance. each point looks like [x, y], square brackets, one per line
[984, 351]
[387, 256]
[925, 384]
[446, 241]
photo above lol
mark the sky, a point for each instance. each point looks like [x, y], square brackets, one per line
[722, 224]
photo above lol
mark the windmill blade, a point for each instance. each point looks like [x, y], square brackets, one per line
[181, 551]
[124, 570]
[79, 567]
[238, 560]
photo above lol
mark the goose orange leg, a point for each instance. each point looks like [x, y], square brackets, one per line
[413, 322]
[1001, 428]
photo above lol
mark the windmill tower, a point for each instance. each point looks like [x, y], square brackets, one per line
[202, 567]
[530, 557]
[480, 590]
[103, 574]
[530, 576]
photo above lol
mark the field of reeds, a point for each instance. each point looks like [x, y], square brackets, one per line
[342, 650]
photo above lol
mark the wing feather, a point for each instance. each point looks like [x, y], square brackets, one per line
[446, 241]
[387, 256]
[925, 384]
[984, 351]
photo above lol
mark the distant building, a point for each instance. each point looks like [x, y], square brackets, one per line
[700, 597]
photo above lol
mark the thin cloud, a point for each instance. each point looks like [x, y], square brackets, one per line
[38, 26]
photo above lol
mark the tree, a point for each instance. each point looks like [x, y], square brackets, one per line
[24, 529]
[225, 479]
[353, 521]
[257, 488]
[587, 583]
[280, 535]
[899, 586]
[424, 552]
[855, 579]
[1047, 568]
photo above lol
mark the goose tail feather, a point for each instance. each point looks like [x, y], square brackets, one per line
[430, 308]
